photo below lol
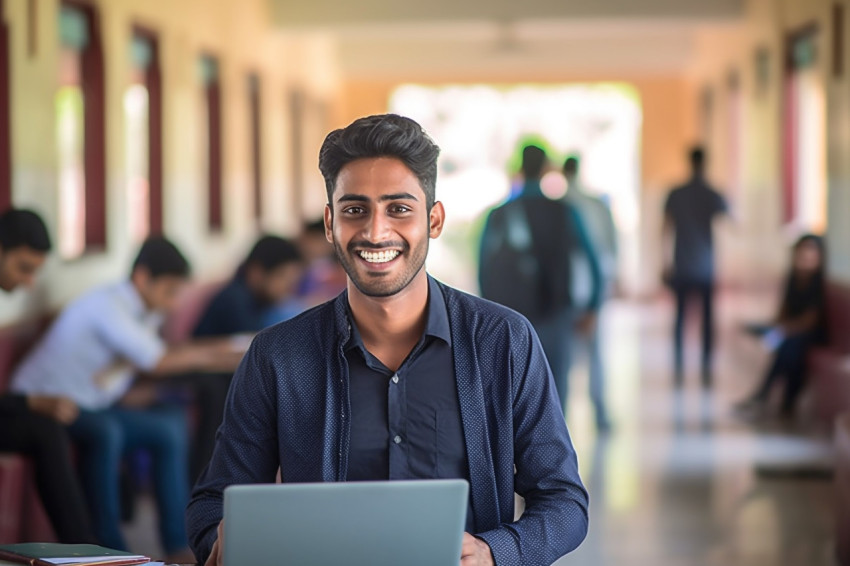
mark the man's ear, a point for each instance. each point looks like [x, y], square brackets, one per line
[437, 219]
[329, 220]
[141, 277]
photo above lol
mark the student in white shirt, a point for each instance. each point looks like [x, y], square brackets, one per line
[91, 355]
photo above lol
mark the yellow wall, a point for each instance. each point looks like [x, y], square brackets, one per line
[240, 35]
[757, 249]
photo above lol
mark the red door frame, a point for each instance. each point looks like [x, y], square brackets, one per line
[153, 84]
[790, 111]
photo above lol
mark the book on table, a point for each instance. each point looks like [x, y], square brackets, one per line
[53, 554]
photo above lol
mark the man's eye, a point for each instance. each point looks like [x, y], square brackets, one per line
[353, 210]
[399, 209]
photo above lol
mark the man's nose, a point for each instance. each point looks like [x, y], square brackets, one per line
[376, 228]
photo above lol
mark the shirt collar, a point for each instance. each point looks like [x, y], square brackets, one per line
[531, 189]
[137, 305]
[437, 325]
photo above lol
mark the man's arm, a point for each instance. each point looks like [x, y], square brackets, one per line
[667, 235]
[245, 450]
[213, 355]
[555, 519]
[587, 248]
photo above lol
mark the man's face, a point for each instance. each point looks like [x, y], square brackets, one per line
[19, 266]
[379, 224]
[161, 293]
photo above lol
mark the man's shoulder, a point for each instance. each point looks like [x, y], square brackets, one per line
[465, 308]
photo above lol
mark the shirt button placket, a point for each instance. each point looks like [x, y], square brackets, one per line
[395, 396]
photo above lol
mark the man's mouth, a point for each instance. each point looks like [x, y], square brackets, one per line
[382, 256]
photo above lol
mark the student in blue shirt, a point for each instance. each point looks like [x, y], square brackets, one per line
[400, 377]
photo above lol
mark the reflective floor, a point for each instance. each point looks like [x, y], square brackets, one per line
[680, 481]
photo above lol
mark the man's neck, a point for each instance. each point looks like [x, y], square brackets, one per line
[391, 326]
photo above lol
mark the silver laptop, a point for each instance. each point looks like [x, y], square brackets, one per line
[415, 523]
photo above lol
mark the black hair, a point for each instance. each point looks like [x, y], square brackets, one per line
[816, 283]
[697, 158]
[271, 252]
[23, 229]
[571, 165]
[383, 135]
[161, 258]
[533, 160]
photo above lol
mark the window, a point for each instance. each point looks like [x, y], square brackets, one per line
[256, 145]
[804, 134]
[80, 132]
[5, 118]
[143, 141]
[212, 95]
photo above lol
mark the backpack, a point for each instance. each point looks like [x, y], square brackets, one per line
[511, 272]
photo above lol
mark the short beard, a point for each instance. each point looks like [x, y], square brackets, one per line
[384, 288]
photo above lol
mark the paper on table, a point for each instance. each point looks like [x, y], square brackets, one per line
[106, 560]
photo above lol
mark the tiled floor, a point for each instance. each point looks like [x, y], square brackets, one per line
[680, 481]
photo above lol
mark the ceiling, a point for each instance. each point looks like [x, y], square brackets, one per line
[402, 39]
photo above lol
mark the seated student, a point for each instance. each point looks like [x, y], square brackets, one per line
[263, 284]
[325, 278]
[800, 325]
[267, 278]
[91, 354]
[32, 424]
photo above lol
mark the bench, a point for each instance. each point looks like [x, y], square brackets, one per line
[22, 516]
[828, 374]
[842, 488]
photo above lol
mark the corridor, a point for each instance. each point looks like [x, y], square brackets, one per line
[682, 481]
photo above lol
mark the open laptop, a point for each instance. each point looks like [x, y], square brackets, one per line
[415, 523]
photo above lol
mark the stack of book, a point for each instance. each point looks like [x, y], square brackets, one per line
[50, 554]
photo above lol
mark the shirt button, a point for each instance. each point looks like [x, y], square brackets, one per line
[395, 378]
[397, 439]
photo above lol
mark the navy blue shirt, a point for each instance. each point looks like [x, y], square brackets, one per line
[406, 424]
[233, 310]
[692, 209]
[288, 411]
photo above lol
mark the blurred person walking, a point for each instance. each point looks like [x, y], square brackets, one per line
[688, 258]
[526, 250]
[799, 325]
[596, 217]
[32, 424]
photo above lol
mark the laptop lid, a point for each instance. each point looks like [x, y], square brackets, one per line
[416, 523]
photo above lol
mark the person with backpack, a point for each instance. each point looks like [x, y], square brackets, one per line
[526, 251]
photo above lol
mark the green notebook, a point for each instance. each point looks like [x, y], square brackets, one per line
[44, 553]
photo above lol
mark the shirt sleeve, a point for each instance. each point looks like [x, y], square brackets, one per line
[588, 250]
[245, 449]
[555, 520]
[131, 339]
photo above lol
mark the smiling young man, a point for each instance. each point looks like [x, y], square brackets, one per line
[401, 377]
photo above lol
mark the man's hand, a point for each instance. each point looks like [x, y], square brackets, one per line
[217, 554]
[61, 409]
[474, 552]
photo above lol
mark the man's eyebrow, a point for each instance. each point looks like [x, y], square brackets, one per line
[353, 198]
[382, 198]
[398, 196]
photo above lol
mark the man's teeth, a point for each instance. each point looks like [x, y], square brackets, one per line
[379, 257]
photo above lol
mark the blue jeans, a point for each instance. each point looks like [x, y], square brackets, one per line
[104, 437]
